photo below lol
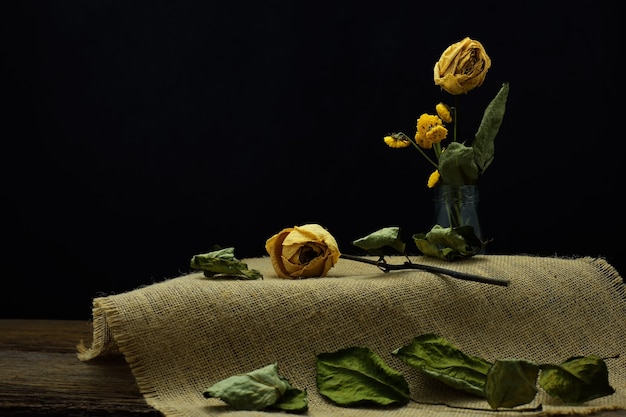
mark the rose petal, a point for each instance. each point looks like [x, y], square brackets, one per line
[273, 246]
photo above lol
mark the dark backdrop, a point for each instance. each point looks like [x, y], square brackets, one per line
[140, 133]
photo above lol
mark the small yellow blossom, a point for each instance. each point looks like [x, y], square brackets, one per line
[423, 142]
[437, 134]
[443, 110]
[396, 140]
[433, 179]
[430, 130]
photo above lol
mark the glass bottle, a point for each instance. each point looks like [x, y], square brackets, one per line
[457, 206]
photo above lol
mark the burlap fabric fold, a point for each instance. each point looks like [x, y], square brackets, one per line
[184, 334]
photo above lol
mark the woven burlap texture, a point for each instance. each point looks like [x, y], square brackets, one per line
[182, 335]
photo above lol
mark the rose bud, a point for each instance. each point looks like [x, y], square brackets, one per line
[462, 67]
[302, 251]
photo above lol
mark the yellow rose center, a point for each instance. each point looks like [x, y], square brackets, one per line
[471, 63]
[309, 252]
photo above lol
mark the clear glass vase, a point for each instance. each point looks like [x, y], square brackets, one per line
[457, 206]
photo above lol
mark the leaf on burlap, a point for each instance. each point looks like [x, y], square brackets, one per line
[511, 382]
[577, 380]
[293, 401]
[357, 376]
[221, 263]
[448, 243]
[437, 357]
[378, 242]
[257, 390]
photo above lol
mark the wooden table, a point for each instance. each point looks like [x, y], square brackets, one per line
[41, 375]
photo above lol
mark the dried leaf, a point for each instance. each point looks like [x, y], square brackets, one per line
[483, 143]
[357, 376]
[457, 165]
[260, 389]
[293, 401]
[437, 357]
[577, 380]
[375, 243]
[449, 243]
[511, 382]
[222, 263]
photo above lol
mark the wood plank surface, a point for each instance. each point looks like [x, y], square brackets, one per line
[40, 374]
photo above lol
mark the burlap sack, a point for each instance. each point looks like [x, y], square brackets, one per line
[182, 335]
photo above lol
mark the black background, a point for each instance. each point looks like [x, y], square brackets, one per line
[140, 133]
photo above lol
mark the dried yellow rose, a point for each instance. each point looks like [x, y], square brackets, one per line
[462, 67]
[302, 251]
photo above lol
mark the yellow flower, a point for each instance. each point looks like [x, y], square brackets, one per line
[462, 67]
[433, 179]
[436, 134]
[443, 111]
[396, 140]
[430, 130]
[302, 251]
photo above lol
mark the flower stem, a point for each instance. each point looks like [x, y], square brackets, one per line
[437, 149]
[456, 115]
[416, 146]
[382, 264]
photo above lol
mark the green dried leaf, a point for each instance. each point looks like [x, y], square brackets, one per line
[357, 376]
[293, 401]
[483, 143]
[430, 249]
[448, 243]
[376, 243]
[257, 390]
[457, 165]
[511, 382]
[437, 357]
[577, 380]
[222, 263]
